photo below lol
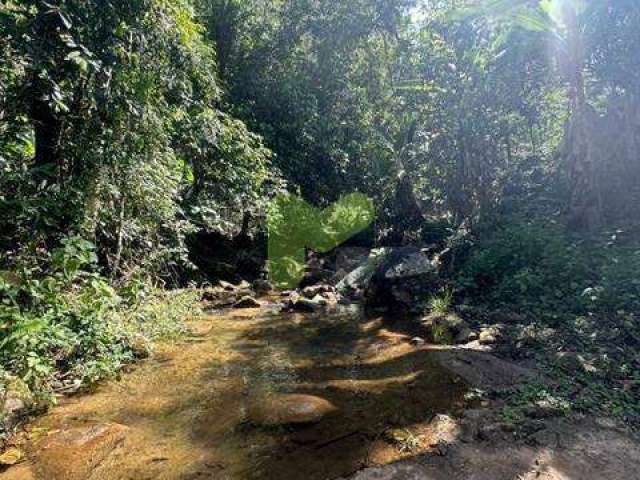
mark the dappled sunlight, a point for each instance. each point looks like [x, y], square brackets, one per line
[187, 408]
[319, 239]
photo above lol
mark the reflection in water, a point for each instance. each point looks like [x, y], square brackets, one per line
[188, 406]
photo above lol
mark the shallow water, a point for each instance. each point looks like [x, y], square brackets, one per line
[186, 408]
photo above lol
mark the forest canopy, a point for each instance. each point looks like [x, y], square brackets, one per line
[136, 124]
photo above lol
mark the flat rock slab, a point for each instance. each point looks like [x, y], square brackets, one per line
[289, 409]
[73, 454]
[589, 452]
[23, 471]
[464, 463]
[400, 471]
[482, 370]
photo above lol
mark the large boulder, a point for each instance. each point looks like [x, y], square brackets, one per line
[360, 275]
[402, 278]
[483, 370]
[283, 409]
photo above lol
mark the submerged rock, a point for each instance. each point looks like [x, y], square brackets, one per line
[247, 302]
[73, 454]
[286, 409]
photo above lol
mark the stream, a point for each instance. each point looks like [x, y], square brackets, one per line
[185, 409]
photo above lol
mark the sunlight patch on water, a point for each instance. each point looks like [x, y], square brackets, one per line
[189, 403]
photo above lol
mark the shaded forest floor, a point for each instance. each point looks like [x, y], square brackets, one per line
[403, 411]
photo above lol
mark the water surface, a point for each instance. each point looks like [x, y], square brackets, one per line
[186, 408]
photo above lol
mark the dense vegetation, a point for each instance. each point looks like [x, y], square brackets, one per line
[135, 133]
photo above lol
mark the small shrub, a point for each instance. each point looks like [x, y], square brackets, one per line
[441, 335]
[442, 303]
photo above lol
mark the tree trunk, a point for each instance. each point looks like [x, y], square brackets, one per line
[120, 235]
[585, 204]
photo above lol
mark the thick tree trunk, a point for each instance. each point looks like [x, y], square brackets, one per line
[409, 211]
[585, 204]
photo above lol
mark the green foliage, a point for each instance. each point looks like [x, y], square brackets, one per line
[60, 320]
[540, 266]
[530, 264]
[586, 290]
[130, 127]
[531, 395]
[442, 303]
[316, 79]
[115, 130]
[441, 334]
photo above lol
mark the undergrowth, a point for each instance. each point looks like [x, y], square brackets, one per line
[583, 295]
[63, 326]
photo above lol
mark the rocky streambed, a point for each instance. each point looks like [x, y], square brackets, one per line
[273, 393]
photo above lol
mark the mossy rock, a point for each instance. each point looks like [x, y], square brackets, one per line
[444, 329]
[15, 400]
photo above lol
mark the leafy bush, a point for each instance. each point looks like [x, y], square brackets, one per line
[588, 291]
[62, 323]
[539, 266]
[530, 264]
